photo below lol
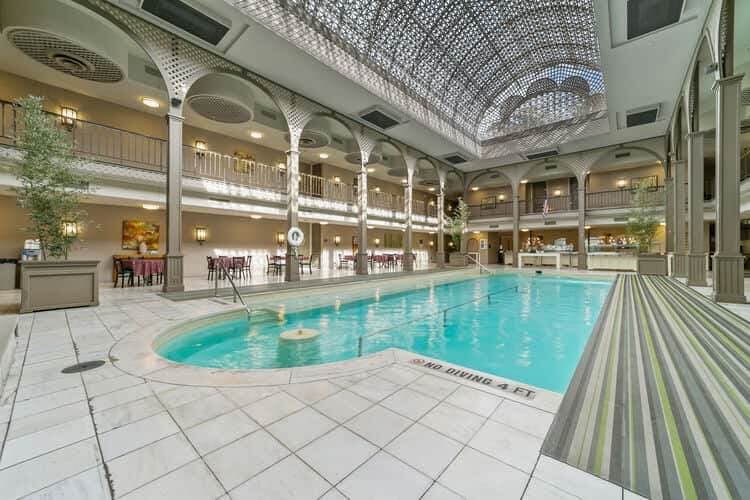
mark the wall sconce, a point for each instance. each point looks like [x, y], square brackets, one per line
[621, 183]
[377, 189]
[450, 243]
[280, 238]
[281, 165]
[200, 234]
[70, 229]
[337, 179]
[475, 188]
[69, 116]
[501, 197]
[432, 243]
[200, 145]
[337, 240]
[557, 192]
[524, 181]
[377, 242]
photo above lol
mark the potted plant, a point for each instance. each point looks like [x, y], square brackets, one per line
[456, 226]
[641, 226]
[50, 190]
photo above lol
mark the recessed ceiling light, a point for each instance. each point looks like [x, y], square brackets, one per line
[323, 156]
[323, 223]
[371, 169]
[475, 232]
[150, 206]
[256, 216]
[524, 181]
[475, 188]
[431, 189]
[525, 230]
[256, 135]
[150, 102]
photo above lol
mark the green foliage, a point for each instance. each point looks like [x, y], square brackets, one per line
[457, 222]
[51, 186]
[642, 221]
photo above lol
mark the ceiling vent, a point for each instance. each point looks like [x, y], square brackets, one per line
[380, 118]
[645, 16]
[355, 158]
[746, 97]
[312, 139]
[622, 155]
[221, 98]
[428, 183]
[186, 18]
[541, 154]
[550, 167]
[642, 116]
[455, 158]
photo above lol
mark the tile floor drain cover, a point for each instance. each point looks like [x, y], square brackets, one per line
[82, 367]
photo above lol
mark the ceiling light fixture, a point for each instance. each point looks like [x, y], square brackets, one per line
[524, 181]
[557, 192]
[432, 189]
[256, 135]
[256, 216]
[370, 169]
[150, 206]
[150, 102]
[475, 188]
[323, 156]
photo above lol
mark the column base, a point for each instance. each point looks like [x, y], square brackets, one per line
[173, 274]
[291, 270]
[408, 262]
[680, 265]
[582, 261]
[440, 259]
[729, 278]
[696, 275]
[362, 263]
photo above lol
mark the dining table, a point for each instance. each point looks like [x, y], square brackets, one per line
[144, 268]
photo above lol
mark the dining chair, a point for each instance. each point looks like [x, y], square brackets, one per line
[211, 267]
[238, 267]
[248, 265]
[122, 273]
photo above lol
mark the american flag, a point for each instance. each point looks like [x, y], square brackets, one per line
[545, 210]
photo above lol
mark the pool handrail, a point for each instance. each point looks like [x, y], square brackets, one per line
[444, 312]
[235, 292]
[479, 264]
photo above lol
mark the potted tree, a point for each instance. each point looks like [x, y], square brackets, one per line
[50, 190]
[641, 226]
[456, 226]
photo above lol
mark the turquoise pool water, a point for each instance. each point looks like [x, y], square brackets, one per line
[533, 335]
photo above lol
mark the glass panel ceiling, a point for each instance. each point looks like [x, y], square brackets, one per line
[488, 68]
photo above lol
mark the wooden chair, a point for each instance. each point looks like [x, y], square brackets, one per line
[238, 267]
[211, 267]
[122, 273]
[248, 265]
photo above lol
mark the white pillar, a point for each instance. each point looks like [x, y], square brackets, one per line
[173, 272]
[362, 257]
[680, 243]
[408, 261]
[728, 272]
[696, 272]
[582, 224]
[516, 226]
[291, 271]
[440, 255]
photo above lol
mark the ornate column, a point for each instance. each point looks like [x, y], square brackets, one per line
[173, 269]
[680, 246]
[440, 255]
[669, 209]
[582, 264]
[696, 274]
[464, 238]
[728, 273]
[362, 259]
[291, 271]
[408, 208]
[516, 225]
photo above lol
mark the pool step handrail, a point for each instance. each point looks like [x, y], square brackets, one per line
[235, 293]
[481, 266]
[443, 311]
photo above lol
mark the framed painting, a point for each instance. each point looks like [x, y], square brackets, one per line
[136, 231]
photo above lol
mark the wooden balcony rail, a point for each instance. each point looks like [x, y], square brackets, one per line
[418, 207]
[231, 169]
[497, 209]
[318, 187]
[621, 198]
[564, 203]
[385, 201]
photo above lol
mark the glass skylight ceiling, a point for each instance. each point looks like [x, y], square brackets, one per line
[488, 68]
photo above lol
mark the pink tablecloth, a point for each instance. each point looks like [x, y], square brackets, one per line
[144, 267]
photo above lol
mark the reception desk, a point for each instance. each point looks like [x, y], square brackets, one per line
[612, 261]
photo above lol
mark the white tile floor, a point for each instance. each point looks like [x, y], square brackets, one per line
[394, 431]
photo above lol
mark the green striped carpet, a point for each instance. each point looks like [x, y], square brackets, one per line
[660, 402]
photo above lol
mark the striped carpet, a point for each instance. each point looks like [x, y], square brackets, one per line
[660, 402]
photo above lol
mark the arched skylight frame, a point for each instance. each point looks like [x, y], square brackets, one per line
[459, 59]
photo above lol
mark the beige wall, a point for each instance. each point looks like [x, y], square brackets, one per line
[607, 181]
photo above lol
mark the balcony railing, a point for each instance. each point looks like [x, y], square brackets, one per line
[621, 198]
[502, 209]
[385, 201]
[554, 204]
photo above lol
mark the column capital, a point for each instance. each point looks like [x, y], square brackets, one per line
[291, 151]
[726, 81]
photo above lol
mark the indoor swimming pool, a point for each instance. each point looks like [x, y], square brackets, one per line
[530, 329]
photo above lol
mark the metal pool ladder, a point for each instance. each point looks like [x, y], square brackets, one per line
[481, 266]
[235, 293]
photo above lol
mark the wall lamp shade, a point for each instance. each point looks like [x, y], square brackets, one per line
[432, 243]
[621, 183]
[337, 240]
[201, 145]
[201, 233]
[377, 242]
[501, 197]
[69, 116]
[280, 238]
[70, 229]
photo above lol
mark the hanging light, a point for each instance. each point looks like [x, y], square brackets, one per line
[200, 234]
